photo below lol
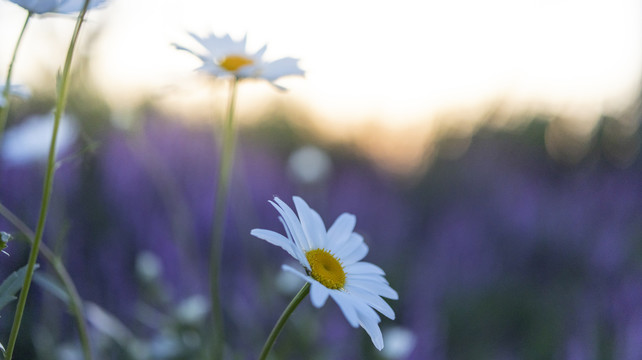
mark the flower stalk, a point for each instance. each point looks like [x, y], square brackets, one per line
[305, 290]
[218, 223]
[4, 111]
[63, 88]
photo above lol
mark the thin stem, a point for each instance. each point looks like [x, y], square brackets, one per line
[4, 111]
[284, 317]
[75, 302]
[63, 88]
[218, 223]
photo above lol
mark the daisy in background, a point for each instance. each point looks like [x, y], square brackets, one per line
[332, 267]
[223, 57]
[56, 6]
[29, 141]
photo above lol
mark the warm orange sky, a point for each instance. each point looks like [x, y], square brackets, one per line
[365, 60]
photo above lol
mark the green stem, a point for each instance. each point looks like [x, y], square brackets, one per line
[4, 111]
[218, 223]
[284, 317]
[75, 302]
[63, 88]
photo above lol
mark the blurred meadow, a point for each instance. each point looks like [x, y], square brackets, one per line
[489, 150]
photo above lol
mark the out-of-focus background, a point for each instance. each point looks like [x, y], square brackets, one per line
[490, 151]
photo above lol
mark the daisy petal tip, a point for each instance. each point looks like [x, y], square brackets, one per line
[379, 345]
[287, 268]
[279, 87]
[318, 295]
[298, 199]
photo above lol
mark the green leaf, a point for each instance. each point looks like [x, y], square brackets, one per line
[11, 285]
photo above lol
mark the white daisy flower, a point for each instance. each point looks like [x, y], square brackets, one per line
[29, 141]
[55, 6]
[331, 260]
[224, 57]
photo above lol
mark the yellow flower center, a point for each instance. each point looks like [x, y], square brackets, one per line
[326, 269]
[234, 62]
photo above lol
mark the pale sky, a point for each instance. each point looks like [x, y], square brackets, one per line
[394, 62]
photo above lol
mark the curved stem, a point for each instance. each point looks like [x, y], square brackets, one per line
[75, 302]
[4, 111]
[284, 317]
[63, 88]
[218, 223]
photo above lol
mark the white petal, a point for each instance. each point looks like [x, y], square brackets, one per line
[356, 255]
[241, 44]
[297, 250]
[279, 87]
[375, 287]
[371, 277]
[369, 321]
[259, 54]
[347, 247]
[318, 294]
[219, 47]
[56, 6]
[296, 272]
[363, 267]
[275, 239]
[209, 43]
[72, 6]
[299, 255]
[292, 223]
[279, 68]
[311, 223]
[37, 7]
[372, 300]
[322, 236]
[347, 306]
[183, 48]
[340, 231]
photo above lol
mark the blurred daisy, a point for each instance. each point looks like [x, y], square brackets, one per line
[222, 56]
[55, 6]
[16, 90]
[29, 141]
[401, 342]
[309, 165]
[331, 260]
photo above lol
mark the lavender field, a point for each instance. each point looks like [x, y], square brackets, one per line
[500, 253]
